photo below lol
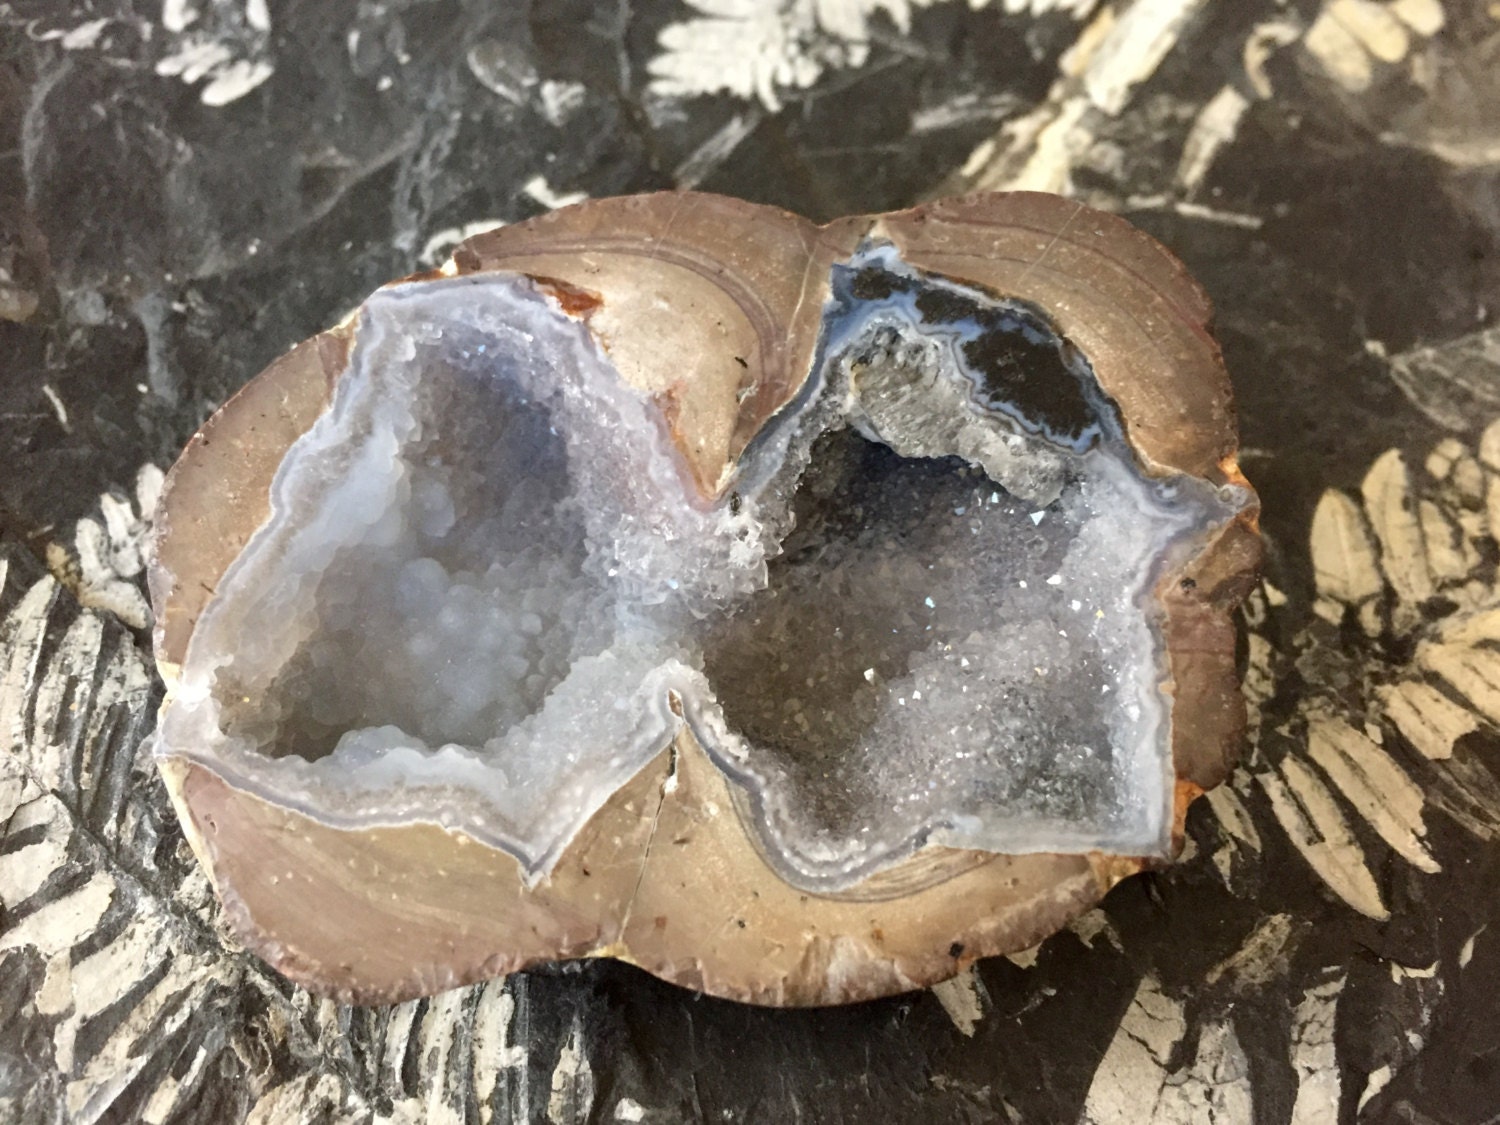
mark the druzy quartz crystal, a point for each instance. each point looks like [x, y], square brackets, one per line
[797, 612]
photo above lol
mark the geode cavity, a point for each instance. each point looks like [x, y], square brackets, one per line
[797, 612]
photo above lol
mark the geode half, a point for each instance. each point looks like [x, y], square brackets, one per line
[797, 612]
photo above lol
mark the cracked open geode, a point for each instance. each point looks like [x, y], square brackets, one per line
[796, 612]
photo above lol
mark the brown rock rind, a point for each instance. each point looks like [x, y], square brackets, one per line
[665, 875]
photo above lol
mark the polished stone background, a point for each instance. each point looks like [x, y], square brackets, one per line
[188, 188]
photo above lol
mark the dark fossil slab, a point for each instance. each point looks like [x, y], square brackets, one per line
[1339, 202]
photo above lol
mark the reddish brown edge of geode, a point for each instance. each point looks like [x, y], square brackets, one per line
[666, 875]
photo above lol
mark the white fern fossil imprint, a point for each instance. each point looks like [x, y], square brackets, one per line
[141, 1005]
[766, 49]
[106, 559]
[1398, 662]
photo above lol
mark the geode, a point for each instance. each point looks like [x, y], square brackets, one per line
[796, 612]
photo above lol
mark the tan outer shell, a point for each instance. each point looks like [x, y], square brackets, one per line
[666, 875]
[662, 877]
[219, 491]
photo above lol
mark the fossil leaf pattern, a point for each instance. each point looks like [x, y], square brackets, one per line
[1402, 653]
[105, 563]
[765, 52]
[226, 45]
[140, 1005]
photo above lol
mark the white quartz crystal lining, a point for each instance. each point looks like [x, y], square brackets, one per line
[464, 606]
[949, 660]
[1000, 676]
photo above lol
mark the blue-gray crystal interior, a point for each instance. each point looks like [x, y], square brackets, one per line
[922, 613]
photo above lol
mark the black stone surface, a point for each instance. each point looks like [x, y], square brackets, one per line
[1347, 228]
